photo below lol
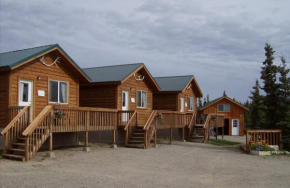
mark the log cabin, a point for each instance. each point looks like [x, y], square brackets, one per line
[233, 114]
[126, 87]
[39, 95]
[178, 93]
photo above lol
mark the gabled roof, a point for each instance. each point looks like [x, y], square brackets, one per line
[219, 99]
[118, 73]
[177, 83]
[115, 73]
[16, 58]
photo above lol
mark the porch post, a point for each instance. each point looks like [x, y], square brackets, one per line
[50, 153]
[171, 136]
[5, 142]
[223, 132]
[183, 132]
[87, 148]
[114, 145]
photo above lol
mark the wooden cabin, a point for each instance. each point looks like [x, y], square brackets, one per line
[178, 93]
[233, 114]
[37, 77]
[127, 87]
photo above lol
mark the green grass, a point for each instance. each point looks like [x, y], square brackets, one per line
[219, 142]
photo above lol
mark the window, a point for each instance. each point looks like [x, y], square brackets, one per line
[190, 103]
[224, 108]
[142, 99]
[58, 92]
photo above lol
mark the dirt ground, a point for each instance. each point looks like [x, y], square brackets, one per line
[183, 164]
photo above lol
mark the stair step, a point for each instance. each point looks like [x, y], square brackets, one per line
[14, 149]
[18, 144]
[136, 141]
[21, 138]
[196, 137]
[11, 156]
[137, 134]
[199, 125]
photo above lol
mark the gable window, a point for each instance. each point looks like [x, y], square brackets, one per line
[58, 92]
[141, 99]
[224, 108]
[190, 103]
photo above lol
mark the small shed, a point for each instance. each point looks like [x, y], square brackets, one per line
[233, 111]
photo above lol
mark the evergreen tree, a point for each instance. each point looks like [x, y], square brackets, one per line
[207, 98]
[199, 102]
[224, 94]
[271, 100]
[204, 101]
[256, 114]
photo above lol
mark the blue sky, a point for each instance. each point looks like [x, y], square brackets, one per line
[220, 42]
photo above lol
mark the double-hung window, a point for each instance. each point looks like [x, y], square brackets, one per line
[190, 103]
[224, 108]
[141, 99]
[58, 92]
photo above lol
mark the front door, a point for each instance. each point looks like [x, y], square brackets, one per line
[235, 127]
[125, 105]
[26, 94]
[181, 104]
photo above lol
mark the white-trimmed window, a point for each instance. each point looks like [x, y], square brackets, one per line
[141, 99]
[224, 108]
[190, 103]
[58, 92]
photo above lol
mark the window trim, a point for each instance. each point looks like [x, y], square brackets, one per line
[223, 108]
[58, 82]
[189, 103]
[141, 99]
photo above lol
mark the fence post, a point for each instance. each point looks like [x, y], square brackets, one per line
[280, 141]
[247, 141]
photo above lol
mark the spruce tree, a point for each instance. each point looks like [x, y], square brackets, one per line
[225, 94]
[199, 102]
[204, 101]
[207, 98]
[270, 87]
[256, 113]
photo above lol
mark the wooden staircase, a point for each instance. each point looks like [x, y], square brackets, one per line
[17, 150]
[198, 134]
[136, 139]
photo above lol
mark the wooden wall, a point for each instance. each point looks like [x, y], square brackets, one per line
[236, 112]
[102, 96]
[132, 86]
[4, 83]
[165, 101]
[186, 94]
[34, 69]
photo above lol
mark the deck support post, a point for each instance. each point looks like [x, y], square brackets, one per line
[247, 142]
[183, 136]
[26, 148]
[171, 136]
[86, 148]
[223, 132]
[5, 143]
[155, 138]
[50, 142]
[114, 145]
[216, 130]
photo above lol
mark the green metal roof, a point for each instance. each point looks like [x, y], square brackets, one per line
[173, 83]
[14, 58]
[115, 73]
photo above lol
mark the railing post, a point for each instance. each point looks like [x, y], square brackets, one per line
[145, 140]
[27, 148]
[127, 136]
[5, 142]
[87, 129]
[183, 134]
[280, 141]
[171, 136]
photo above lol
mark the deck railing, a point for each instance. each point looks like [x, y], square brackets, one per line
[133, 122]
[75, 119]
[171, 119]
[13, 111]
[37, 132]
[150, 128]
[17, 125]
[124, 117]
[191, 125]
[271, 137]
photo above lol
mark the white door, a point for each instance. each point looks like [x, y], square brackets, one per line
[235, 127]
[125, 105]
[26, 94]
[181, 104]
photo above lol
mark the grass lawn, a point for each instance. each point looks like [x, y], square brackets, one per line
[220, 142]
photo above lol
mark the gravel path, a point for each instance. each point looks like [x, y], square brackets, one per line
[179, 165]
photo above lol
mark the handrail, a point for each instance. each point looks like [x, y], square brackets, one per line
[264, 131]
[131, 119]
[23, 111]
[37, 120]
[150, 119]
[207, 121]
[191, 121]
[57, 107]
[16, 107]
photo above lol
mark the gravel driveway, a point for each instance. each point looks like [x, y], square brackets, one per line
[179, 165]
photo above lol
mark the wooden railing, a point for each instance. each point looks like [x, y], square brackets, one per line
[271, 137]
[150, 128]
[191, 125]
[133, 122]
[213, 121]
[13, 111]
[171, 119]
[124, 117]
[37, 132]
[206, 128]
[75, 119]
[15, 128]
